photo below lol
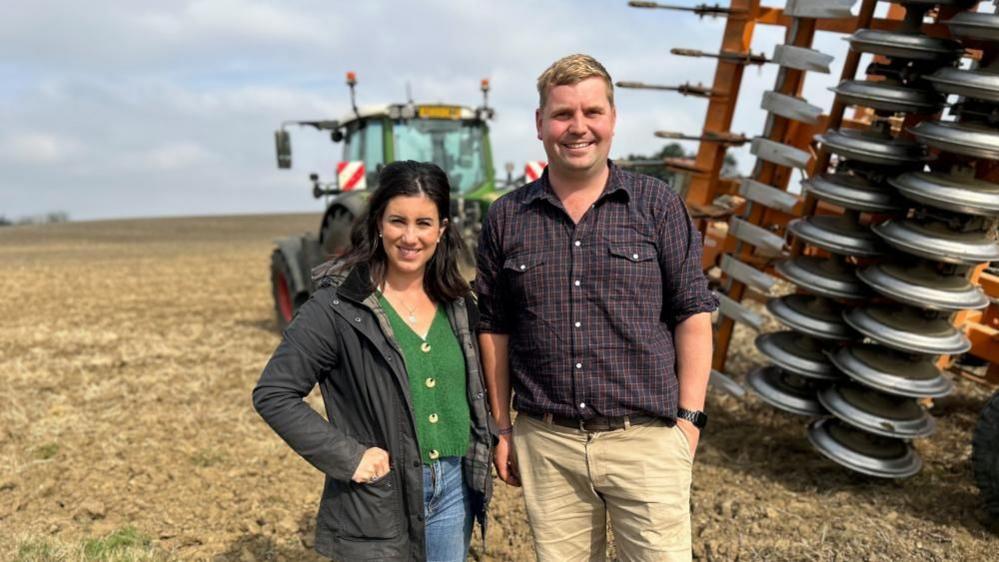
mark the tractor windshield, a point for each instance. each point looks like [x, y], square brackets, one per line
[455, 146]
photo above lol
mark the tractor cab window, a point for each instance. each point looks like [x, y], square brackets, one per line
[353, 146]
[365, 142]
[455, 146]
[374, 152]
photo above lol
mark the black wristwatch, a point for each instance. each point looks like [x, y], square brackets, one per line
[698, 418]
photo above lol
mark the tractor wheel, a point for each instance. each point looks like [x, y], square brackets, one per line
[286, 300]
[985, 457]
[335, 233]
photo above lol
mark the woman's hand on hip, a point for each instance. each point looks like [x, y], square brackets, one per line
[374, 466]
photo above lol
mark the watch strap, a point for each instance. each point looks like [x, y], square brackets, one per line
[696, 417]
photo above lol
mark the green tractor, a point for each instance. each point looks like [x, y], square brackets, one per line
[454, 137]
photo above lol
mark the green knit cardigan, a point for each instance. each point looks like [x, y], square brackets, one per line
[436, 370]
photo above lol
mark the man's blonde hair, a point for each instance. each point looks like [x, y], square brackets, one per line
[571, 70]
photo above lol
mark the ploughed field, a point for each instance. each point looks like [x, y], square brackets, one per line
[128, 350]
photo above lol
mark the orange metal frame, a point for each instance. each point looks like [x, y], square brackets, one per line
[706, 184]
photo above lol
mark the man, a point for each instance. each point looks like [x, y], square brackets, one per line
[595, 308]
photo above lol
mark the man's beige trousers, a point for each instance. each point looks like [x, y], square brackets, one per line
[574, 480]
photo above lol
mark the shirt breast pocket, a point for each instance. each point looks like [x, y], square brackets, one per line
[634, 267]
[525, 277]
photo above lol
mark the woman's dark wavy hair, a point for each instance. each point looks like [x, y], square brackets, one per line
[441, 279]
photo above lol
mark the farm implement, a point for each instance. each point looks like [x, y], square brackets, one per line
[889, 239]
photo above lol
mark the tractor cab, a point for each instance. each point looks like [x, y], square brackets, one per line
[453, 137]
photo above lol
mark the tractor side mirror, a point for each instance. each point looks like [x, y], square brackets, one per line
[282, 144]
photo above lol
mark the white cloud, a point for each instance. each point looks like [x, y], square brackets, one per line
[228, 19]
[37, 148]
[176, 156]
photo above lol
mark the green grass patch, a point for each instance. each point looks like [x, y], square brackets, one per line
[40, 550]
[123, 545]
[47, 451]
[124, 541]
[207, 457]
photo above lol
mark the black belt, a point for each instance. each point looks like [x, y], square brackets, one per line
[596, 423]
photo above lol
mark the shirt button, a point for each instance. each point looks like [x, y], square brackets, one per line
[434, 454]
[577, 243]
[431, 382]
[523, 267]
[579, 365]
[576, 282]
[432, 418]
[336, 301]
[416, 464]
[582, 405]
[578, 324]
[357, 319]
[634, 256]
[425, 347]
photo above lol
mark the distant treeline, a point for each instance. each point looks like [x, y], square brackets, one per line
[47, 218]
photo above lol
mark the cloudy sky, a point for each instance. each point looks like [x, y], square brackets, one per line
[119, 108]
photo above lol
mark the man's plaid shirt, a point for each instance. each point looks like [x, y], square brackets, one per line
[590, 308]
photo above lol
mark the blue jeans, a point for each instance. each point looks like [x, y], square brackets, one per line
[447, 509]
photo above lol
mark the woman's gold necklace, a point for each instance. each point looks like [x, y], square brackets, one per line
[412, 312]
[411, 318]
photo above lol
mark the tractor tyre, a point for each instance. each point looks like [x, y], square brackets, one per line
[985, 458]
[286, 299]
[335, 232]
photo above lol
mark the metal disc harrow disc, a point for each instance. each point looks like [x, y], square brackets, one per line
[815, 316]
[936, 241]
[889, 96]
[837, 234]
[852, 192]
[976, 84]
[912, 46]
[863, 452]
[872, 147]
[823, 276]
[799, 354]
[908, 329]
[786, 391]
[895, 372]
[967, 139]
[920, 285]
[975, 25]
[877, 412]
[947, 191]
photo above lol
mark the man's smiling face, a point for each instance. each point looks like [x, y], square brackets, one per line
[576, 125]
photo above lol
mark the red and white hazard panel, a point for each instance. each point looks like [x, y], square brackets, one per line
[350, 175]
[533, 169]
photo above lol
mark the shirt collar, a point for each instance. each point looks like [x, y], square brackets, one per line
[542, 189]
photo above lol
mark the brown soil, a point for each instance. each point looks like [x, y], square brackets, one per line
[128, 350]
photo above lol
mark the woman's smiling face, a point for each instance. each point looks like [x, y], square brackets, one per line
[410, 228]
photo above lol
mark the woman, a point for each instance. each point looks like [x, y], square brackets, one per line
[388, 337]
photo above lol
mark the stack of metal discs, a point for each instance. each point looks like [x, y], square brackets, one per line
[880, 309]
